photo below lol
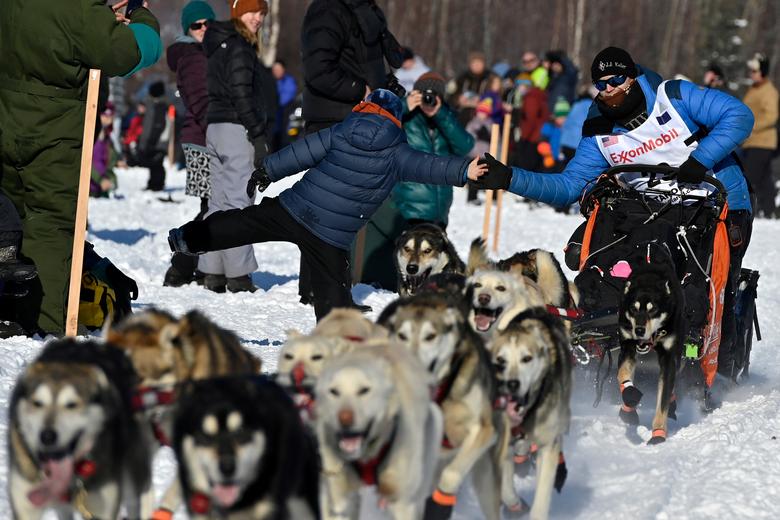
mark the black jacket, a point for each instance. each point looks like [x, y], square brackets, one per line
[241, 89]
[343, 51]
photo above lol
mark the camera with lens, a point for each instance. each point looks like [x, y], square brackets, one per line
[429, 97]
[394, 86]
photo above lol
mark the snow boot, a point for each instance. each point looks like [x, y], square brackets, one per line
[11, 270]
[175, 278]
[215, 282]
[241, 284]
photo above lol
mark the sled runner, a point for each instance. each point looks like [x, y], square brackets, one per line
[639, 214]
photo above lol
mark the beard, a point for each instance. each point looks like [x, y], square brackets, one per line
[621, 103]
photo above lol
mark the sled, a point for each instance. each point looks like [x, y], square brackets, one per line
[625, 225]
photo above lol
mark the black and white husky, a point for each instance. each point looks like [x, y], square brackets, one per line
[651, 317]
[71, 423]
[243, 452]
[423, 251]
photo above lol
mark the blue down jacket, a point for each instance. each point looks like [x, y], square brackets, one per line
[353, 166]
[727, 121]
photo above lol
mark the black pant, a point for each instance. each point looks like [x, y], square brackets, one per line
[740, 229]
[10, 223]
[154, 161]
[270, 222]
[188, 264]
[758, 170]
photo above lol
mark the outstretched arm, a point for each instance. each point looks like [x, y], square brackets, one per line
[425, 168]
[298, 156]
[564, 188]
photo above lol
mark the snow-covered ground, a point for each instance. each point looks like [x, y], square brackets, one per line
[725, 465]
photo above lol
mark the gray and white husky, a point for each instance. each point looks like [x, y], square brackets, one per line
[71, 423]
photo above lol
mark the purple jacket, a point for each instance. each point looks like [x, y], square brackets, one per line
[187, 59]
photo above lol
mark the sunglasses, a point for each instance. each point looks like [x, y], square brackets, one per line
[614, 81]
[196, 26]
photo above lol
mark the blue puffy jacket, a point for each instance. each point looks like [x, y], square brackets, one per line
[353, 166]
[727, 121]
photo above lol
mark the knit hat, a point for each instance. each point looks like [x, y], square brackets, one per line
[157, 89]
[239, 7]
[561, 108]
[612, 61]
[194, 11]
[523, 79]
[431, 81]
[388, 101]
[109, 110]
[485, 106]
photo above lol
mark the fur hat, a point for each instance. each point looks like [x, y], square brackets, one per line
[612, 61]
[239, 7]
[431, 81]
[194, 11]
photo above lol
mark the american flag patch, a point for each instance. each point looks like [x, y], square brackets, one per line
[609, 140]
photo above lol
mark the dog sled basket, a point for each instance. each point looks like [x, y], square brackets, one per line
[638, 213]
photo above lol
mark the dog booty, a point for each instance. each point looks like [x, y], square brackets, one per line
[629, 416]
[439, 506]
[631, 395]
[560, 473]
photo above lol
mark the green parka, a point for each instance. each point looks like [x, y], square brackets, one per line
[46, 50]
[443, 135]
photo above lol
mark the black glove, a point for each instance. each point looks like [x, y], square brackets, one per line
[691, 171]
[261, 150]
[498, 176]
[259, 180]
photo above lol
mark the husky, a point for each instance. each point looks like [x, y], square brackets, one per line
[538, 269]
[303, 357]
[492, 293]
[420, 252]
[476, 436]
[166, 352]
[243, 453]
[651, 317]
[533, 366]
[71, 423]
[377, 426]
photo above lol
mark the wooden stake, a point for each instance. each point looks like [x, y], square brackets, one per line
[500, 194]
[489, 193]
[171, 135]
[77, 261]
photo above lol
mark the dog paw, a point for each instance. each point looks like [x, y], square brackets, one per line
[517, 511]
[672, 413]
[629, 417]
[631, 396]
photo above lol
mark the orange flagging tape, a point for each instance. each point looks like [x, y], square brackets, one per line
[162, 514]
[444, 499]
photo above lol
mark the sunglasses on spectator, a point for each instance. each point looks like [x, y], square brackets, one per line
[614, 81]
[196, 26]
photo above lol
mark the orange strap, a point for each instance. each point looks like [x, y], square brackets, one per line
[561, 460]
[721, 259]
[444, 499]
[628, 409]
[162, 514]
[585, 251]
[659, 432]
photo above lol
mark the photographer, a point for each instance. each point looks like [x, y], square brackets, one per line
[431, 126]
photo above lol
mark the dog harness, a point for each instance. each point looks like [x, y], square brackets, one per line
[148, 397]
[369, 471]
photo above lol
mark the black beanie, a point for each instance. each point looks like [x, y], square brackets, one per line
[612, 61]
[157, 89]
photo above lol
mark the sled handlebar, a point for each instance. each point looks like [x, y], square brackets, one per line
[669, 172]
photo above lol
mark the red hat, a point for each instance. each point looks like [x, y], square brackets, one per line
[239, 7]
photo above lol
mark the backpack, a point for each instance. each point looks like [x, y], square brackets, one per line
[106, 292]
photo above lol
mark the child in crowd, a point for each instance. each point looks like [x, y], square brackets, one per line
[104, 157]
[352, 168]
[479, 127]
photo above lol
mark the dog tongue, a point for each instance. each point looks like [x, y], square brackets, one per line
[56, 481]
[226, 495]
[515, 415]
[351, 444]
[483, 321]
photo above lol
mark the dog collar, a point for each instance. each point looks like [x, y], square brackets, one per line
[146, 397]
[200, 503]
